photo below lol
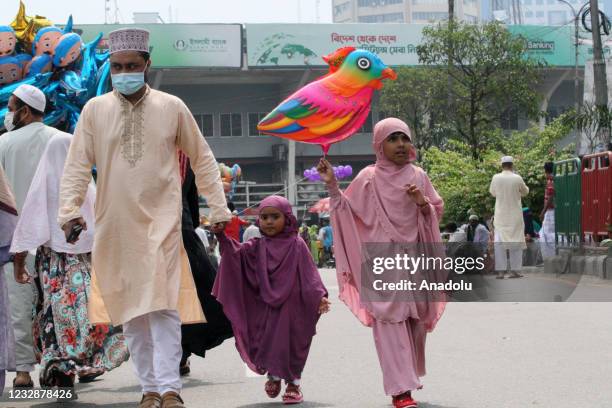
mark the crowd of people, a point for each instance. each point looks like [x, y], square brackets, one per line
[126, 268]
[532, 242]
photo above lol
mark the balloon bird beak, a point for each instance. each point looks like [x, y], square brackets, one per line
[389, 73]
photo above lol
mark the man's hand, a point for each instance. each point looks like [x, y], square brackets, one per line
[326, 171]
[218, 228]
[67, 228]
[21, 274]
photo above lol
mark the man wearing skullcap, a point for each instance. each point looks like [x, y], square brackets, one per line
[20, 151]
[476, 232]
[132, 136]
[508, 187]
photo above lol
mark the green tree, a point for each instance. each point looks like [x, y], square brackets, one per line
[417, 98]
[593, 122]
[490, 75]
[463, 182]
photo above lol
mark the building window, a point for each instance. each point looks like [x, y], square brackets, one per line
[254, 119]
[383, 18]
[417, 2]
[205, 122]
[231, 124]
[529, 14]
[539, 2]
[527, 2]
[539, 14]
[430, 16]
[367, 125]
[342, 8]
[376, 3]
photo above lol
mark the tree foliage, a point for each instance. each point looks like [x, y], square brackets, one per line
[463, 182]
[415, 97]
[490, 75]
[594, 122]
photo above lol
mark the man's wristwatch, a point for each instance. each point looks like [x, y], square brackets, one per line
[11, 258]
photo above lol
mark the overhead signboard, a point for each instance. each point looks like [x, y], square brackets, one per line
[183, 45]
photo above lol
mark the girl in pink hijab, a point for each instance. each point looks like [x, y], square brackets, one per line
[394, 202]
[272, 293]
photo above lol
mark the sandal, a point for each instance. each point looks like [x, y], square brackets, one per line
[29, 384]
[88, 376]
[404, 401]
[65, 381]
[273, 388]
[293, 395]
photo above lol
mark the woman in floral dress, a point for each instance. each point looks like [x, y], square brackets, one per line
[67, 342]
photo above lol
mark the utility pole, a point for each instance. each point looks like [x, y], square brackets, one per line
[576, 14]
[599, 65]
[451, 28]
[599, 71]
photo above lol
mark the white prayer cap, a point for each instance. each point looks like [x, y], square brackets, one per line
[128, 39]
[473, 217]
[31, 96]
[507, 159]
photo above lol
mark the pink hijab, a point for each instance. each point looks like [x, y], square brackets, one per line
[376, 209]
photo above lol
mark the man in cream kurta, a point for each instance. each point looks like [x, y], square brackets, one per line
[133, 143]
[508, 187]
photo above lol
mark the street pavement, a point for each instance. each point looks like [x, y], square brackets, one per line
[482, 355]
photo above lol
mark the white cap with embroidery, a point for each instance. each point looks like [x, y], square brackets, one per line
[128, 39]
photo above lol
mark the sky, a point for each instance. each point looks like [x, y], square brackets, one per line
[183, 11]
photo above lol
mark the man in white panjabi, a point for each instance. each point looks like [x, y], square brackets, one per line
[509, 228]
[20, 151]
[132, 136]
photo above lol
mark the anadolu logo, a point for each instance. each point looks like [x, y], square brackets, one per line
[180, 45]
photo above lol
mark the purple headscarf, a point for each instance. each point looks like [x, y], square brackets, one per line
[270, 290]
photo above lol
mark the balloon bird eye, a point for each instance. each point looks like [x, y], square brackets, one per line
[363, 63]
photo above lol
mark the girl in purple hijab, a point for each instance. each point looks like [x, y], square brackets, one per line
[272, 293]
[394, 202]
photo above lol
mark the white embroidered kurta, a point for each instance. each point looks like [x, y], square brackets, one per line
[508, 188]
[138, 204]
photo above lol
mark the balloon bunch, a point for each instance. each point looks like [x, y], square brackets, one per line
[339, 171]
[34, 52]
[229, 177]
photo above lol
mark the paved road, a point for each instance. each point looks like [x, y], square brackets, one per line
[482, 355]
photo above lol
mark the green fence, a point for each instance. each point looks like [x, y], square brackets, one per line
[568, 199]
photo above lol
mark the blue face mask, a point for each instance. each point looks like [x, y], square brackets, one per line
[128, 84]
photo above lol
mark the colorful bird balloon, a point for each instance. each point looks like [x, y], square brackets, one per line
[333, 107]
[336, 58]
